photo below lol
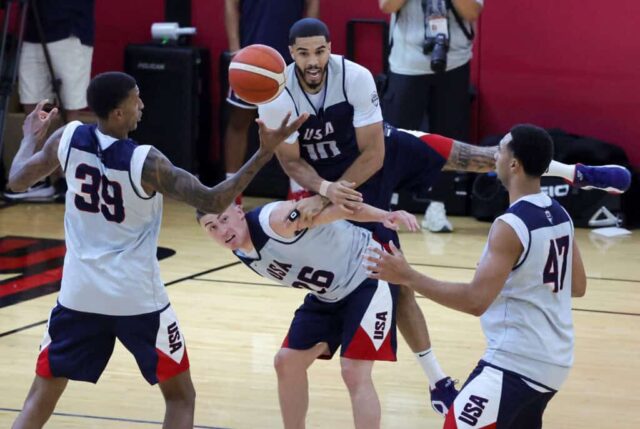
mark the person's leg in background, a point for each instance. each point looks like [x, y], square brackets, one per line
[449, 114]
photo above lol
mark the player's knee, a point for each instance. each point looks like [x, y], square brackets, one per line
[282, 362]
[354, 376]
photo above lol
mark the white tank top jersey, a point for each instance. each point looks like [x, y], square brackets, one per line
[327, 259]
[348, 86]
[529, 327]
[111, 226]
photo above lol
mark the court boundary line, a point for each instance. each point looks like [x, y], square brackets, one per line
[172, 282]
[113, 419]
[418, 264]
[618, 313]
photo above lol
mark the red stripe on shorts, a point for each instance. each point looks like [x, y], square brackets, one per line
[361, 347]
[42, 366]
[168, 368]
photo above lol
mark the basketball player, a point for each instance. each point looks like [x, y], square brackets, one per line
[344, 142]
[343, 309]
[522, 289]
[111, 286]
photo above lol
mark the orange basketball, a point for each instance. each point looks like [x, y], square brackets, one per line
[256, 74]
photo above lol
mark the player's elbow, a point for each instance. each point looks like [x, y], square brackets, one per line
[478, 304]
[578, 287]
[477, 309]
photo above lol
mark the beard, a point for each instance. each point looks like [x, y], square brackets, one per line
[312, 85]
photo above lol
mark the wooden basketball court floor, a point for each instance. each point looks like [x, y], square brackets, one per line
[234, 322]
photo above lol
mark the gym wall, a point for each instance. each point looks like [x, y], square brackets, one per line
[553, 64]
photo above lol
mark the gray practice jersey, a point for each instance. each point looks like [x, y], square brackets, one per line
[529, 327]
[327, 259]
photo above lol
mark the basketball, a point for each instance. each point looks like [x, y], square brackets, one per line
[256, 74]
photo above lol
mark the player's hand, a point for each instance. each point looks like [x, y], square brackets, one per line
[37, 123]
[393, 220]
[342, 194]
[309, 208]
[270, 138]
[391, 267]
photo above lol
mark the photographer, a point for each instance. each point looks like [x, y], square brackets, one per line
[428, 82]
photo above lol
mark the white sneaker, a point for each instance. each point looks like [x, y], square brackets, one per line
[40, 192]
[435, 218]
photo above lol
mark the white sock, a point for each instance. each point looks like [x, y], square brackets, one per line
[431, 367]
[229, 175]
[295, 186]
[559, 169]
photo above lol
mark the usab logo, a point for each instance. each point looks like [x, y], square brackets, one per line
[374, 99]
[32, 267]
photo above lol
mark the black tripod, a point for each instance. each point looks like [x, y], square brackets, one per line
[10, 47]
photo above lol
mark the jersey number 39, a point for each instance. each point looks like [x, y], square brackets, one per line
[99, 194]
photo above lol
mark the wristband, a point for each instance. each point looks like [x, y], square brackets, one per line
[324, 186]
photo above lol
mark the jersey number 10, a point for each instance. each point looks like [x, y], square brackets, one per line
[555, 268]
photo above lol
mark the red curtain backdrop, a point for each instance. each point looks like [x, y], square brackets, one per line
[554, 64]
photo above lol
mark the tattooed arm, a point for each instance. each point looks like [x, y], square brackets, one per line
[159, 174]
[467, 157]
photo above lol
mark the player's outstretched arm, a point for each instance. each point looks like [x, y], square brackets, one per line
[159, 174]
[503, 250]
[286, 219]
[467, 157]
[34, 162]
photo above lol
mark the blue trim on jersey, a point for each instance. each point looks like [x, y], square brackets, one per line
[292, 100]
[115, 157]
[536, 217]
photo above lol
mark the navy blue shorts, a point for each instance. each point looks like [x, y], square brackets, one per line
[232, 98]
[363, 323]
[78, 345]
[497, 398]
[410, 164]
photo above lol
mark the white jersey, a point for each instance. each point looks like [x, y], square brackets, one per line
[529, 327]
[327, 259]
[111, 226]
[348, 100]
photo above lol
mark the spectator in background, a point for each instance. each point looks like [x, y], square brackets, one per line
[68, 29]
[248, 22]
[417, 97]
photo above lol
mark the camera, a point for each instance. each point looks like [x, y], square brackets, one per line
[437, 47]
